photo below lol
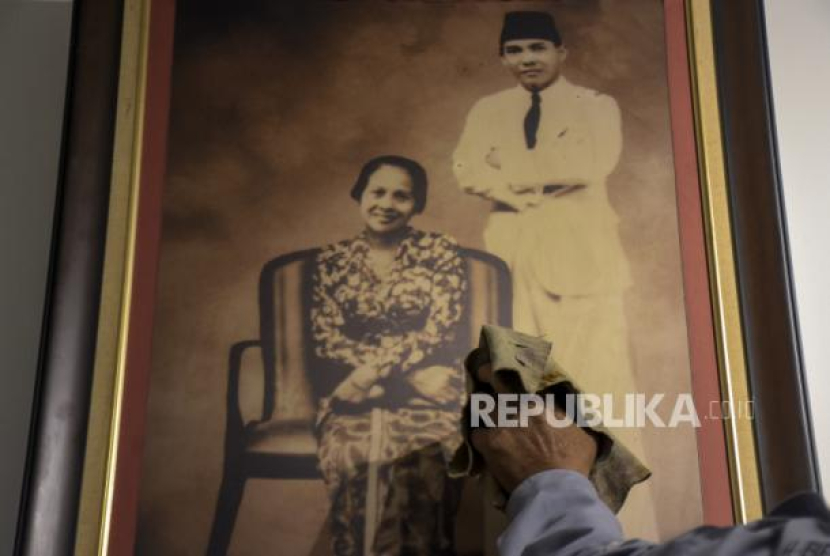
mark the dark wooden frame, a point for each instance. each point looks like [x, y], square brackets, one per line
[49, 505]
[786, 455]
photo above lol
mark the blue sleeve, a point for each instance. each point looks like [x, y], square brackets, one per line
[558, 513]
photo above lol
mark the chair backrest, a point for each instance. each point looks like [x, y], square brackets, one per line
[285, 334]
[490, 299]
[285, 328]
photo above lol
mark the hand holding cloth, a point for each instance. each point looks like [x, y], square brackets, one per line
[523, 364]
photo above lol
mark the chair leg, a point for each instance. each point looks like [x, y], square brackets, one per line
[227, 506]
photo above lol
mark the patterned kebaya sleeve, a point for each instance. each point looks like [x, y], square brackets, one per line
[327, 321]
[447, 295]
[441, 273]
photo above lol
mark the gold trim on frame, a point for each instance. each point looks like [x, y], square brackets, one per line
[740, 437]
[100, 463]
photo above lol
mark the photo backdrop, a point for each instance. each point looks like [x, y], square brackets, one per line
[275, 107]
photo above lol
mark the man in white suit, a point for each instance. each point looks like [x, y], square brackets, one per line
[542, 151]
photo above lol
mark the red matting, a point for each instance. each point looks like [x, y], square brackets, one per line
[717, 503]
[711, 443]
[148, 233]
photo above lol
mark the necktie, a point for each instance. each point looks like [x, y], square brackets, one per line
[532, 119]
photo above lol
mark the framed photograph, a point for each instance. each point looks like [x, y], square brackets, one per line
[304, 195]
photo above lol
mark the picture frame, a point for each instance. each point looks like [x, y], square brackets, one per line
[767, 302]
[750, 343]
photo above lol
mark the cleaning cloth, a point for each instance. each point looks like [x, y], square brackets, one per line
[524, 363]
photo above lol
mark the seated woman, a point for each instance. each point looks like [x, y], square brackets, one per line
[386, 307]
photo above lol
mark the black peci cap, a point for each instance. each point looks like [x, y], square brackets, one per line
[529, 25]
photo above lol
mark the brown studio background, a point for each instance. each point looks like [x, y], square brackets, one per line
[275, 106]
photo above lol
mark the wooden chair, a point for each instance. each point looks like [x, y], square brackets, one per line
[270, 399]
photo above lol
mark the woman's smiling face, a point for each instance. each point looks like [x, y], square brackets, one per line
[388, 203]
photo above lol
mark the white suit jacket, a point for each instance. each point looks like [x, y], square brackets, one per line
[575, 240]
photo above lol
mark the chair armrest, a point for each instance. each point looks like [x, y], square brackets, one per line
[246, 384]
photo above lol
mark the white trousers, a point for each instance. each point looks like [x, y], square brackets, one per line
[590, 341]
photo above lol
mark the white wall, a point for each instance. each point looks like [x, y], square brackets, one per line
[799, 45]
[34, 50]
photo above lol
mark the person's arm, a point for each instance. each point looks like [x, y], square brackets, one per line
[327, 321]
[446, 304]
[554, 509]
[368, 362]
[472, 171]
[477, 161]
[558, 513]
[608, 136]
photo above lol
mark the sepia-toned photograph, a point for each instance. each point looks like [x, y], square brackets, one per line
[352, 190]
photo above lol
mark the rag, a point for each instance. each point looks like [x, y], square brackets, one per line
[525, 364]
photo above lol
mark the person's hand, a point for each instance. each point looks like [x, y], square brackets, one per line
[434, 383]
[513, 454]
[361, 384]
